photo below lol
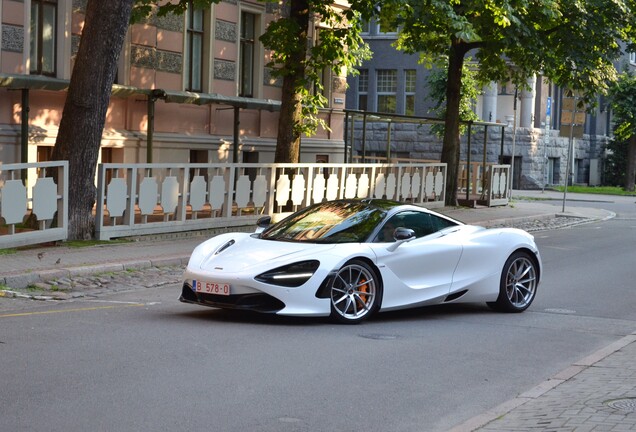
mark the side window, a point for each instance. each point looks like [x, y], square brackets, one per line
[421, 223]
[386, 233]
[439, 223]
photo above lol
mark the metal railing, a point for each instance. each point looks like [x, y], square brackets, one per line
[33, 203]
[140, 199]
[487, 184]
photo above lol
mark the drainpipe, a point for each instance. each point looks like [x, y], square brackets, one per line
[24, 131]
[346, 133]
[364, 138]
[352, 138]
[235, 147]
[388, 142]
[484, 162]
[150, 128]
[152, 98]
[470, 132]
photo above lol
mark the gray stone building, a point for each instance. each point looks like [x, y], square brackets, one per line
[395, 83]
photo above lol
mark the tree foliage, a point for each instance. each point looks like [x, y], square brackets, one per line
[573, 43]
[339, 29]
[437, 82]
[622, 163]
[295, 59]
[106, 24]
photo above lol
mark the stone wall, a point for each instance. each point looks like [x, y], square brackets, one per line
[419, 142]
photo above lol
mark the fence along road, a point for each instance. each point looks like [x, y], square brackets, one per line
[141, 199]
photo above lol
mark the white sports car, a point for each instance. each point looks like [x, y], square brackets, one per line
[351, 258]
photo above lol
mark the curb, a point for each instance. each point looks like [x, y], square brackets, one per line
[566, 374]
[23, 280]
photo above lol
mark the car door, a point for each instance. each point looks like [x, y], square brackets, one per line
[421, 270]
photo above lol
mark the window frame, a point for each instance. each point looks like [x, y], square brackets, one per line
[408, 90]
[363, 89]
[246, 40]
[37, 39]
[381, 87]
[193, 33]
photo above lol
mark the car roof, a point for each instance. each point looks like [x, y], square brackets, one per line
[389, 207]
[392, 207]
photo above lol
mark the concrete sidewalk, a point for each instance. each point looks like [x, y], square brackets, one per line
[25, 266]
[595, 393]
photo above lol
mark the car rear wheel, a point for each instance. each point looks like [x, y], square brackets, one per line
[355, 293]
[519, 281]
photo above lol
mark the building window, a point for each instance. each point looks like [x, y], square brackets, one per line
[387, 90]
[43, 37]
[363, 89]
[386, 28]
[247, 51]
[323, 84]
[366, 27]
[409, 91]
[553, 171]
[194, 49]
[632, 57]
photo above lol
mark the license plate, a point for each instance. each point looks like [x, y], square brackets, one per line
[210, 287]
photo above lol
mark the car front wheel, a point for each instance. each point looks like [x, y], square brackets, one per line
[519, 281]
[355, 293]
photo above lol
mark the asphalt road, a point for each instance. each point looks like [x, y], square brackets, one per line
[142, 361]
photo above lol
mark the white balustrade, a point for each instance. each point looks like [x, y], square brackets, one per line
[157, 198]
[33, 206]
[139, 199]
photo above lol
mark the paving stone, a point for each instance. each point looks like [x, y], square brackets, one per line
[21, 281]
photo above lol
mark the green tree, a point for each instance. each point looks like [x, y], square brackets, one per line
[80, 133]
[573, 43]
[106, 24]
[622, 96]
[338, 47]
[470, 91]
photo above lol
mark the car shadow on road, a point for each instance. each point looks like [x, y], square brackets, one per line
[420, 314]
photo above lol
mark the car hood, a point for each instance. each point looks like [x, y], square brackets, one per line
[240, 253]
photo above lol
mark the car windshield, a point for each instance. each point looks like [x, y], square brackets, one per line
[331, 222]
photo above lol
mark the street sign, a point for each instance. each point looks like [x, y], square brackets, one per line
[569, 117]
[572, 117]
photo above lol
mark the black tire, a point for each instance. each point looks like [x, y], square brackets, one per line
[355, 293]
[518, 284]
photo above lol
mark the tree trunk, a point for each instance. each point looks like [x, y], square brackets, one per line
[450, 149]
[288, 140]
[631, 164]
[84, 115]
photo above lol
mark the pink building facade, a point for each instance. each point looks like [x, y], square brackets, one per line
[205, 55]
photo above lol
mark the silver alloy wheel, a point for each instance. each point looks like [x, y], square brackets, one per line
[353, 292]
[521, 282]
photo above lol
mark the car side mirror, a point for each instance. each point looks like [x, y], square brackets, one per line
[401, 235]
[263, 222]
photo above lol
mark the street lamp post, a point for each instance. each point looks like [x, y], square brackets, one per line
[514, 139]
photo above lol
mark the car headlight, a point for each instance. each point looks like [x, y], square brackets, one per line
[291, 275]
